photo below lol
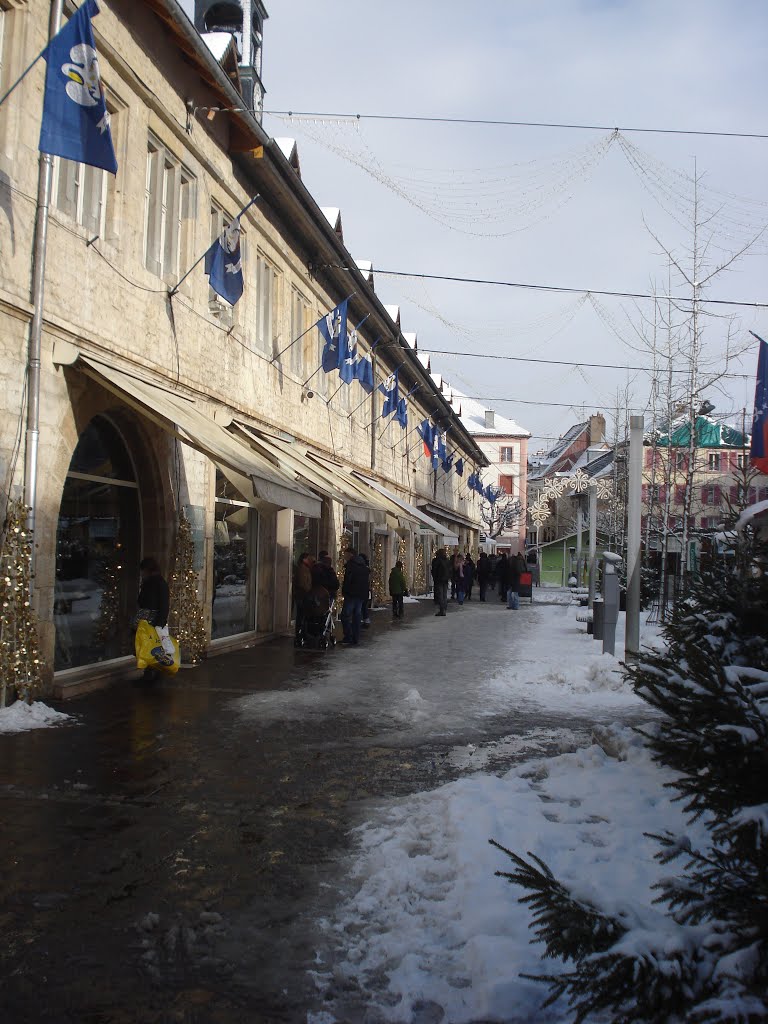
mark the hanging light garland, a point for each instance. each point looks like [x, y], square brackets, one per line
[21, 665]
[377, 575]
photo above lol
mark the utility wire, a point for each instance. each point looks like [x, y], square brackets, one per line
[562, 362]
[513, 124]
[555, 288]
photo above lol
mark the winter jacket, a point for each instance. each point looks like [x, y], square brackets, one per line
[397, 584]
[302, 580]
[441, 569]
[483, 568]
[357, 577]
[324, 575]
[513, 574]
[469, 572]
[155, 597]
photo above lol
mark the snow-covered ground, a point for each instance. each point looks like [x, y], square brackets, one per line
[424, 930]
[440, 678]
[20, 717]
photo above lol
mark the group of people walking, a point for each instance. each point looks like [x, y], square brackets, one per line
[460, 571]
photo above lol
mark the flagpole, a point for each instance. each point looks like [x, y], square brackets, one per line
[23, 75]
[34, 347]
[197, 263]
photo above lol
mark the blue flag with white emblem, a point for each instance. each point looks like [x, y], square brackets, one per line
[460, 467]
[401, 413]
[391, 390]
[364, 373]
[75, 117]
[224, 266]
[333, 330]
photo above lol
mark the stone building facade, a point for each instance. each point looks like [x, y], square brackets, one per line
[157, 397]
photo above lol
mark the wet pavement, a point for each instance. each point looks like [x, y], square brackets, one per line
[165, 857]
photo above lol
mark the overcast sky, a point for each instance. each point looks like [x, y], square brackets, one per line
[689, 64]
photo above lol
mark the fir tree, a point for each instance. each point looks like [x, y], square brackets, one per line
[711, 684]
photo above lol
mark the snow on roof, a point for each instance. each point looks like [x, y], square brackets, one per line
[394, 312]
[410, 339]
[437, 380]
[473, 418]
[218, 43]
[709, 433]
[333, 215]
[747, 517]
[542, 464]
[423, 358]
[366, 269]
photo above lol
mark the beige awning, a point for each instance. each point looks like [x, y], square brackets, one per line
[331, 479]
[426, 523]
[192, 422]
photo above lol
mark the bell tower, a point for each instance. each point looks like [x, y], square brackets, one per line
[243, 19]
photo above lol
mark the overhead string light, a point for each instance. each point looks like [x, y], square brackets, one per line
[488, 202]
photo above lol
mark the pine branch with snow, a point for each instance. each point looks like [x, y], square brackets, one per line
[707, 957]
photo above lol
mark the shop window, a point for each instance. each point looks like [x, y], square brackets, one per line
[98, 549]
[234, 562]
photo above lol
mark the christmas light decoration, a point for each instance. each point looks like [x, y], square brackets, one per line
[419, 580]
[377, 575]
[20, 663]
[109, 608]
[186, 620]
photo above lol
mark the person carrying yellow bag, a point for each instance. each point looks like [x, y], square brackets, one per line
[156, 651]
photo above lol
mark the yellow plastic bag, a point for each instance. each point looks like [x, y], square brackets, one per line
[149, 650]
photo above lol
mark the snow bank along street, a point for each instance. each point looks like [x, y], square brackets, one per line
[289, 836]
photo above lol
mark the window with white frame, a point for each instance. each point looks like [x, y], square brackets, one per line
[507, 454]
[741, 460]
[168, 212]
[714, 461]
[268, 306]
[299, 324]
[710, 495]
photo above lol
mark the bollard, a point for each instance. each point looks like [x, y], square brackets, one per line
[598, 610]
[610, 601]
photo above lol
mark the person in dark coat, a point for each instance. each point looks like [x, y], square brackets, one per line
[154, 605]
[515, 565]
[441, 575]
[469, 576]
[302, 584]
[483, 574]
[398, 589]
[502, 576]
[355, 589]
[324, 575]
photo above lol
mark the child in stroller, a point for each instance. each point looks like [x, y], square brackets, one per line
[319, 624]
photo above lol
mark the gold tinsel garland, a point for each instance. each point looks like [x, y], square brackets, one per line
[20, 663]
[419, 581]
[402, 556]
[377, 575]
[109, 608]
[186, 620]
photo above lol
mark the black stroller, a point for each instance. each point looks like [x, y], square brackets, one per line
[319, 627]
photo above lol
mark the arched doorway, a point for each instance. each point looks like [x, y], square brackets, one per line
[98, 549]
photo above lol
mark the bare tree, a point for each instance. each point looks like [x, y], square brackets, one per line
[501, 515]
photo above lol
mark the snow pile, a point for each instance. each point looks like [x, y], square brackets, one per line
[429, 927]
[21, 717]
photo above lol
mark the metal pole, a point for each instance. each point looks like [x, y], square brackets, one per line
[34, 348]
[632, 639]
[592, 543]
[579, 530]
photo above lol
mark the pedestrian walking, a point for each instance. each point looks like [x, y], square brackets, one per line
[460, 581]
[483, 574]
[153, 606]
[469, 576]
[441, 575]
[302, 584]
[455, 574]
[398, 589]
[515, 566]
[355, 589]
[368, 603]
[493, 565]
[502, 576]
